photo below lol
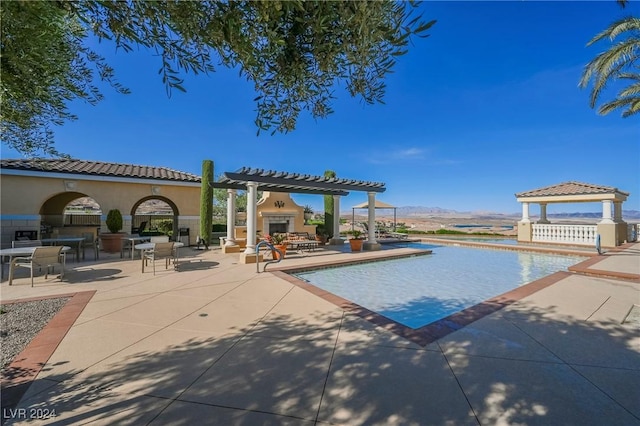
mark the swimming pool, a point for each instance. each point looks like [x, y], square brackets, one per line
[419, 290]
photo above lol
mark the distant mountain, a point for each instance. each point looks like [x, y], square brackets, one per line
[626, 214]
[425, 212]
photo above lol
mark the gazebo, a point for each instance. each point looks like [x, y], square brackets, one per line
[377, 205]
[612, 229]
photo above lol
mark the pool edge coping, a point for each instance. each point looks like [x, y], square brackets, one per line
[429, 333]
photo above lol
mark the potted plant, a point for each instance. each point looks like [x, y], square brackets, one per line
[322, 234]
[308, 213]
[279, 242]
[112, 242]
[356, 240]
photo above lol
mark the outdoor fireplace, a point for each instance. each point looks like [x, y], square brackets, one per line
[279, 222]
[277, 228]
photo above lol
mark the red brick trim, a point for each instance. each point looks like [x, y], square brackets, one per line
[24, 368]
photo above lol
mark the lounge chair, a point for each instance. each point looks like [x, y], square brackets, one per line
[139, 229]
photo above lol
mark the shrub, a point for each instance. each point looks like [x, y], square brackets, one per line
[114, 220]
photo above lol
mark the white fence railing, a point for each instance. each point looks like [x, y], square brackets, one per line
[632, 232]
[569, 234]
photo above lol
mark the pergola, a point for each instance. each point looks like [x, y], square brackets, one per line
[378, 205]
[254, 180]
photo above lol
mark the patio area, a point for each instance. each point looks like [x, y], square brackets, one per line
[220, 342]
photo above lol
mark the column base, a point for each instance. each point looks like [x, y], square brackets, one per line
[246, 258]
[371, 246]
[231, 249]
[336, 242]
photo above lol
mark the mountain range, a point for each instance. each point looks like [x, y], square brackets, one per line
[425, 212]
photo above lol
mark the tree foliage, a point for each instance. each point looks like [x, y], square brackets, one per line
[206, 202]
[293, 52]
[329, 204]
[618, 63]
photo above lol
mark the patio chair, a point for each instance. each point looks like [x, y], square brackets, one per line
[76, 250]
[42, 257]
[160, 251]
[159, 239]
[92, 242]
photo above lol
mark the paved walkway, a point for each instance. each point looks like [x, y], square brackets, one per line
[218, 343]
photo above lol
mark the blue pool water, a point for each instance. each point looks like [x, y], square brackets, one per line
[419, 290]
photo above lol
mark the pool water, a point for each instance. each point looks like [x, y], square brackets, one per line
[419, 290]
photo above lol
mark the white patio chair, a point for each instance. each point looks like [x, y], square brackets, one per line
[42, 257]
[159, 251]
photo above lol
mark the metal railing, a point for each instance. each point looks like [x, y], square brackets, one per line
[272, 248]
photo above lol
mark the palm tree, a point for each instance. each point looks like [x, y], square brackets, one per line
[619, 62]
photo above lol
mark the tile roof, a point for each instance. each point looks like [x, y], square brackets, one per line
[570, 188]
[97, 168]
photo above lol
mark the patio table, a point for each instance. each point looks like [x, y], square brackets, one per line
[68, 240]
[133, 239]
[299, 245]
[21, 252]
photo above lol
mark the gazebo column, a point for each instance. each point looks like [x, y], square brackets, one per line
[543, 213]
[371, 243]
[607, 228]
[230, 245]
[607, 211]
[525, 229]
[617, 211]
[249, 255]
[336, 240]
[622, 230]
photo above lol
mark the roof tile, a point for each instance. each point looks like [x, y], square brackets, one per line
[570, 188]
[97, 168]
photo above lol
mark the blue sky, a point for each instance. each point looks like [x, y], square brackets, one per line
[485, 107]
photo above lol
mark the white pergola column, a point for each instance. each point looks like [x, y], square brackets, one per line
[543, 213]
[231, 218]
[371, 216]
[525, 213]
[371, 243]
[251, 217]
[606, 211]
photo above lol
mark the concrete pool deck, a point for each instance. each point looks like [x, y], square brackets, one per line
[218, 343]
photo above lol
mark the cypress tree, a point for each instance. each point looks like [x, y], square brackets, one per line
[206, 202]
[328, 207]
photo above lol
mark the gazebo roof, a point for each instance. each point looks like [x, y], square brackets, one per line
[573, 192]
[378, 205]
